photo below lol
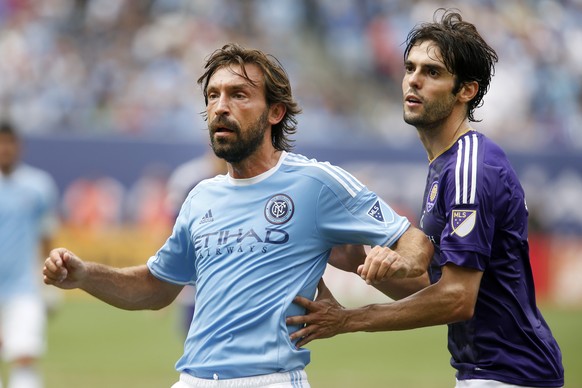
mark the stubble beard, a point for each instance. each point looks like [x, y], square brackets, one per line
[244, 145]
[433, 114]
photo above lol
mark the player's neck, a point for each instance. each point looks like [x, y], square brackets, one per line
[256, 164]
[437, 140]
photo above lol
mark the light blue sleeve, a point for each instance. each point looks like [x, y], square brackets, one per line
[362, 219]
[175, 261]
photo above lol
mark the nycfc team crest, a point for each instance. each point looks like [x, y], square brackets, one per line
[279, 209]
[463, 222]
[432, 195]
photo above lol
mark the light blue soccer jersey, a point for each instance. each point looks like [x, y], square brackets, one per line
[251, 246]
[28, 198]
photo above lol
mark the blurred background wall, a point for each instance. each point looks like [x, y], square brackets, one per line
[105, 93]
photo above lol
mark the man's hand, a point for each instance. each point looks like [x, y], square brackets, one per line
[63, 269]
[325, 317]
[383, 263]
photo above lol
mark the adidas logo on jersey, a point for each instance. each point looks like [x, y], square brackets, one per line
[207, 217]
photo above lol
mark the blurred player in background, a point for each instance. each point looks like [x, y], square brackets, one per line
[182, 180]
[252, 239]
[28, 221]
[474, 211]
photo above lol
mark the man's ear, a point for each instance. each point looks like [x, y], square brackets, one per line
[276, 113]
[468, 91]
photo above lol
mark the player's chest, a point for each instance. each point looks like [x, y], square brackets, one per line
[433, 218]
[253, 220]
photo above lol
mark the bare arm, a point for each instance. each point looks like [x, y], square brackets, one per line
[131, 288]
[415, 246]
[397, 271]
[450, 300]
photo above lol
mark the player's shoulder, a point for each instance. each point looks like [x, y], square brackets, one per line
[477, 142]
[212, 182]
[323, 173]
[34, 176]
[471, 150]
[202, 188]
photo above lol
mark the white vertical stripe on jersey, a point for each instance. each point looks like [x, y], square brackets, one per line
[466, 170]
[458, 173]
[474, 169]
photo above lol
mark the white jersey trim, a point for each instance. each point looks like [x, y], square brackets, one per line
[345, 179]
[260, 177]
[466, 170]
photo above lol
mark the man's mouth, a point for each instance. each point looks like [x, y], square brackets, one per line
[412, 99]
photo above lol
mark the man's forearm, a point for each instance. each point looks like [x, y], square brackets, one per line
[401, 288]
[417, 249]
[426, 308]
[132, 288]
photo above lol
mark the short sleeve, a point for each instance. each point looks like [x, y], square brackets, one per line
[175, 261]
[364, 219]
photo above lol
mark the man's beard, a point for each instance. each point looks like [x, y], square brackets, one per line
[434, 114]
[244, 145]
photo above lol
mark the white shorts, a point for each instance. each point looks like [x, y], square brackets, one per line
[476, 383]
[293, 379]
[22, 328]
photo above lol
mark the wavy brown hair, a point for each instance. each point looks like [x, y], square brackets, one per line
[465, 53]
[276, 81]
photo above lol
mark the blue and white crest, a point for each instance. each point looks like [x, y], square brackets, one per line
[279, 209]
[432, 195]
[376, 212]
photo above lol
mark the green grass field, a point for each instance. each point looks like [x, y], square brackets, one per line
[93, 345]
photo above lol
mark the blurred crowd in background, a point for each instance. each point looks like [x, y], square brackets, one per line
[127, 70]
[129, 67]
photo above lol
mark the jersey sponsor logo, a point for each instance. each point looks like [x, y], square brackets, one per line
[226, 242]
[207, 217]
[376, 212]
[432, 195]
[279, 209]
[463, 222]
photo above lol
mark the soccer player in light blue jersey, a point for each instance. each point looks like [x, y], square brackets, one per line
[475, 214]
[28, 221]
[254, 238]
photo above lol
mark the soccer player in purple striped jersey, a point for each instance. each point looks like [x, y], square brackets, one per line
[475, 214]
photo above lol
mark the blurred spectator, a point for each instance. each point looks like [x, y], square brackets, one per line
[94, 203]
[147, 201]
[126, 67]
[28, 221]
